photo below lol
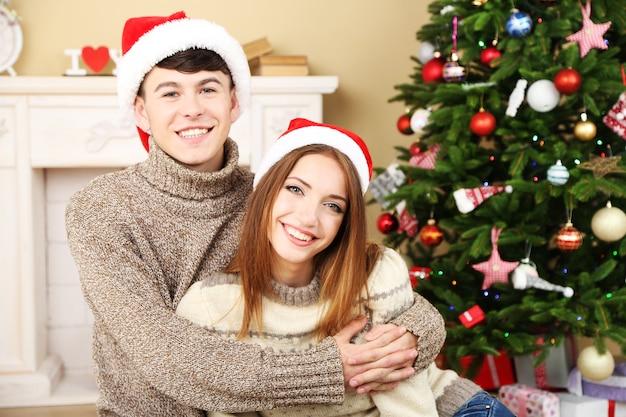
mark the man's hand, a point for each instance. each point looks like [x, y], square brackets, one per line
[380, 363]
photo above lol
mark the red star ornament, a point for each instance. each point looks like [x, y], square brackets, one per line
[591, 34]
[495, 269]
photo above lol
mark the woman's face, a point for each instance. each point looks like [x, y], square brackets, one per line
[306, 217]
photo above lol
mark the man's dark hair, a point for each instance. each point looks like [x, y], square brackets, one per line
[194, 60]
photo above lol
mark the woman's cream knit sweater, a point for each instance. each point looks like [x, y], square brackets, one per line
[289, 322]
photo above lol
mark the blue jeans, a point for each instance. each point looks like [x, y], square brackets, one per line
[482, 404]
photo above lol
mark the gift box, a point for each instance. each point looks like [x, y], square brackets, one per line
[495, 371]
[612, 388]
[553, 372]
[525, 401]
[584, 406]
[472, 316]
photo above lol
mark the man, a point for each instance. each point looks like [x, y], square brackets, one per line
[142, 236]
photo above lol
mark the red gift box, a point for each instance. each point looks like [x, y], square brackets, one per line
[472, 316]
[525, 401]
[495, 371]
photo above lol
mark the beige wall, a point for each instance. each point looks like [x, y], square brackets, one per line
[367, 43]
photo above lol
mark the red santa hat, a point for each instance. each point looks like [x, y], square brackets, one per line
[148, 40]
[302, 132]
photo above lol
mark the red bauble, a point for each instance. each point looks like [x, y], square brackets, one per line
[404, 124]
[483, 123]
[432, 71]
[569, 238]
[387, 223]
[431, 235]
[567, 81]
[415, 149]
[489, 54]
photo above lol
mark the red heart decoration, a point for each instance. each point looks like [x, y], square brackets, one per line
[96, 59]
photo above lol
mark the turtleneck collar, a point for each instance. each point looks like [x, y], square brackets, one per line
[167, 174]
[298, 296]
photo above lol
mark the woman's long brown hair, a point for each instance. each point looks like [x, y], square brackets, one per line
[343, 267]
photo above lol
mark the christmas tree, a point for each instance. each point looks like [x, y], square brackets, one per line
[508, 196]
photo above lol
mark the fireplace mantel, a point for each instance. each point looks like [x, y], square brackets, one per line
[62, 123]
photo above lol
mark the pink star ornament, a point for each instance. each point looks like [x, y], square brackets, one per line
[591, 34]
[495, 269]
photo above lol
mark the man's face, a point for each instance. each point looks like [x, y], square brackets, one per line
[188, 114]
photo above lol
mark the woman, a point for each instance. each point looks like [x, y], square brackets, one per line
[304, 268]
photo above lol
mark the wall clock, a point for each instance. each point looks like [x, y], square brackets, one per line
[10, 39]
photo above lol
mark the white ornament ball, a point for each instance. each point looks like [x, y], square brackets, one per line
[594, 366]
[609, 224]
[419, 120]
[542, 96]
[425, 52]
[558, 174]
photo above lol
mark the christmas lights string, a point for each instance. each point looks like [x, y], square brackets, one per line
[586, 307]
[604, 164]
[537, 142]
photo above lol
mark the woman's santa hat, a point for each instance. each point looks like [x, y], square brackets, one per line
[146, 41]
[302, 132]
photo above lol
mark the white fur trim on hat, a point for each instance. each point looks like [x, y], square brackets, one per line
[316, 134]
[175, 36]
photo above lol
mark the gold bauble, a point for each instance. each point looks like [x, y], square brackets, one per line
[609, 223]
[585, 130]
[595, 366]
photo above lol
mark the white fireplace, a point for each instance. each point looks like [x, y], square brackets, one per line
[56, 134]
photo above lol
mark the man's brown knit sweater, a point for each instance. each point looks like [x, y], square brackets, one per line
[140, 238]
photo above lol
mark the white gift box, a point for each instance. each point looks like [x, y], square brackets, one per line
[584, 406]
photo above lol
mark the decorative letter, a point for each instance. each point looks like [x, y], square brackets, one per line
[115, 56]
[75, 70]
